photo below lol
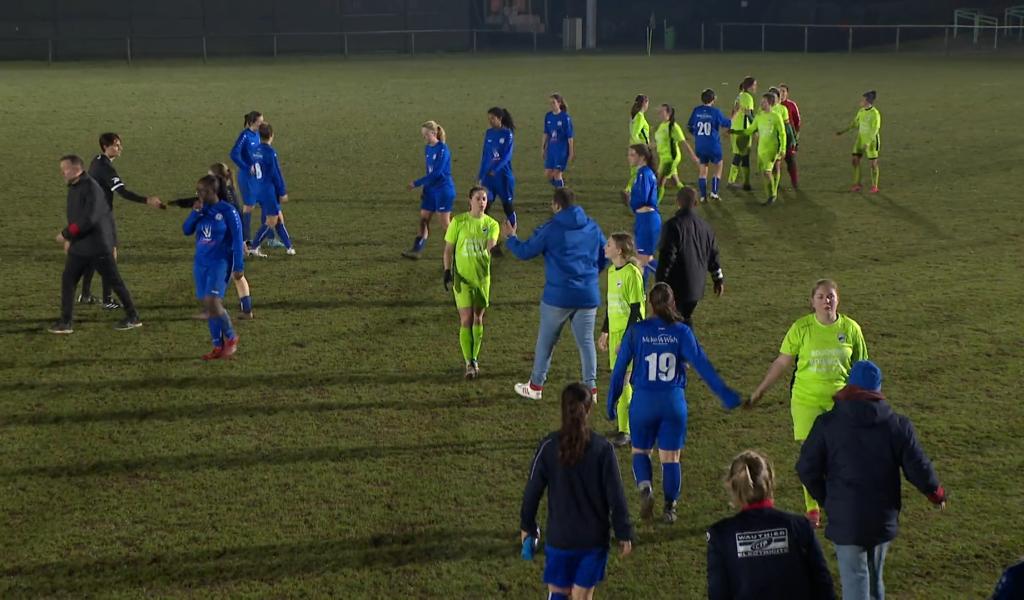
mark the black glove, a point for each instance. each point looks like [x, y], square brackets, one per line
[447, 280]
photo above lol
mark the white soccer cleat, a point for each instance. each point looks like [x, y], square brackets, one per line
[257, 252]
[526, 390]
[290, 252]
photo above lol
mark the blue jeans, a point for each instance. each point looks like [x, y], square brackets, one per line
[860, 571]
[552, 319]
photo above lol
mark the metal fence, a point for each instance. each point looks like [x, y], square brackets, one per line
[206, 46]
[800, 37]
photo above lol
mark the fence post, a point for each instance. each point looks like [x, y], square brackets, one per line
[344, 39]
[275, 45]
[412, 43]
[702, 36]
[945, 39]
[995, 39]
[805, 39]
[897, 38]
[849, 42]
[762, 38]
[474, 41]
[49, 51]
[204, 49]
[534, 39]
[128, 48]
[721, 37]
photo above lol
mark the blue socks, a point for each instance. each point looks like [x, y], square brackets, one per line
[263, 221]
[216, 326]
[510, 212]
[650, 270]
[418, 245]
[226, 329]
[247, 304]
[557, 183]
[703, 184]
[282, 233]
[714, 185]
[642, 469]
[673, 480]
[557, 596]
[247, 225]
[260, 235]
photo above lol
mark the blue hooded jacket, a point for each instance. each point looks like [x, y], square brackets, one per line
[573, 249]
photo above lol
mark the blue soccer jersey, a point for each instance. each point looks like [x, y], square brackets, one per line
[658, 352]
[267, 183]
[705, 121]
[438, 177]
[645, 190]
[497, 153]
[558, 129]
[218, 232]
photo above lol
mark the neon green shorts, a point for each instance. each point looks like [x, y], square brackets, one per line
[468, 295]
[614, 341]
[804, 416]
[766, 160]
[869, 149]
[669, 168]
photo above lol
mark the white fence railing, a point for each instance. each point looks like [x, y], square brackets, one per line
[796, 37]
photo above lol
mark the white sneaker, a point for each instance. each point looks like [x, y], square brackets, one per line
[257, 252]
[715, 197]
[527, 391]
[290, 251]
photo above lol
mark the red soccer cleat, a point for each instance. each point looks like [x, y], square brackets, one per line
[856, 188]
[230, 347]
[214, 354]
[874, 189]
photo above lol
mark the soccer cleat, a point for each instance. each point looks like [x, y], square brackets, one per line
[257, 252]
[128, 323]
[214, 354]
[470, 373]
[61, 328]
[874, 189]
[703, 199]
[715, 197]
[669, 515]
[747, 187]
[290, 251]
[275, 243]
[769, 201]
[646, 503]
[593, 395]
[411, 254]
[476, 368]
[621, 440]
[247, 316]
[111, 304]
[855, 187]
[230, 347]
[814, 516]
[87, 299]
[528, 390]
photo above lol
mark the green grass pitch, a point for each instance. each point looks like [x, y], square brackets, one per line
[343, 455]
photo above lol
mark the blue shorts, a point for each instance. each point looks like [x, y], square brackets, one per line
[245, 188]
[566, 568]
[556, 158]
[500, 186]
[711, 156]
[646, 231]
[270, 206]
[440, 201]
[658, 417]
[211, 279]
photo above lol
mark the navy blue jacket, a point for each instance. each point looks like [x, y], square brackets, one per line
[1011, 584]
[851, 464]
[573, 249]
[766, 554]
[584, 500]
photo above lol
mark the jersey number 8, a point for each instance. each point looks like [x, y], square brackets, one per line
[259, 171]
[661, 366]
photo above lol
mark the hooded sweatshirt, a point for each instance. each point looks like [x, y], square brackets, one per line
[573, 249]
[851, 463]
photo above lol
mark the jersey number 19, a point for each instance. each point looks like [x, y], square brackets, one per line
[661, 366]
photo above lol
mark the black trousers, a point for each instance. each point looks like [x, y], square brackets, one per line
[76, 266]
[686, 309]
[87, 284]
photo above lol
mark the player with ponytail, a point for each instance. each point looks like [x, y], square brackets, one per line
[495, 172]
[557, 145]
[438, 186]
[659, 348]
[643, 201]
[639, 133]
[585, 499]
[668, 138]
[763, 552]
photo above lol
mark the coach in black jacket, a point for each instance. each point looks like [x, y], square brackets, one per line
[89, 243]
[851, 464]
[687, 252]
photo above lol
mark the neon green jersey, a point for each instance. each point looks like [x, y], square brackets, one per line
[781, 111]
[665, 145]
[824, 354]
[470, 236]
[639, 130]
[625, 287]
[745, 101]
[771, 132]
[867, 122]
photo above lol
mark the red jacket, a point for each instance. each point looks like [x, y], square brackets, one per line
[794, 114]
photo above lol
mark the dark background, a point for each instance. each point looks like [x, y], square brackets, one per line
[79, 29]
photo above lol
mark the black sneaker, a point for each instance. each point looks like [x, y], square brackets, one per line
[746, 187]
[411, 254]
[87, 299]
[61, 328]
[621, 440]
[670, 513]
[111, 304]
[128, 323]
[769, 201]
[646, 503]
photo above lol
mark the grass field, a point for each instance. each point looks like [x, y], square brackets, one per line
[343, 455]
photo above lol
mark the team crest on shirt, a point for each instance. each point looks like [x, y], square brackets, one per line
[218, 217]
[842, 338]
[501, 140]
[618, 284]
[483, 229]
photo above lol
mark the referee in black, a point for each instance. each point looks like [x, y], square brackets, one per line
[687, 251]
[88, 242]
[102, 170]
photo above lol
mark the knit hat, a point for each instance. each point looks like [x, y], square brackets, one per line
[866, 375]
[870, 96]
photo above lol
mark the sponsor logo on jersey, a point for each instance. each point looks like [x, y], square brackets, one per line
[218, 217]
[207, 231]
[501, 140]
[842, 338]
[767, 542]
[660, 339]
[618, 284]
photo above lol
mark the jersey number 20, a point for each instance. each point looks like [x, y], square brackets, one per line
[703, 128]
[661, 366]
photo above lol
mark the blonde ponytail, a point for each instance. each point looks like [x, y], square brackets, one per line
[751, 479]
[435, 127]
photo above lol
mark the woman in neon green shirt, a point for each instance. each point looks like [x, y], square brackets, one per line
[639, 133]
[821, 347]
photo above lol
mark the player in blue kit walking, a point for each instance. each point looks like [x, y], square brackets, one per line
[705, 121]
[438, 186]
[496, 162]
[220, 252]
[659, 347]
[643, 201]
[558, 148]
[269, 189]
[246, 142]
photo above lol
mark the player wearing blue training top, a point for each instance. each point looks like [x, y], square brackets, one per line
[247, 141]
[705, 121]
[496, 162]
[558, 148]
[643, 201]
[659, 347]
[438, 186]
[269, 189]
[219, 251]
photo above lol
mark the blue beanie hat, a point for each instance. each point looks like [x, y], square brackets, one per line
[866, 375]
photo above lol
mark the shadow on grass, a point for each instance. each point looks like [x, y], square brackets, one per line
[322, 304]
[257, 458]
[186, 571]
[909, 215]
